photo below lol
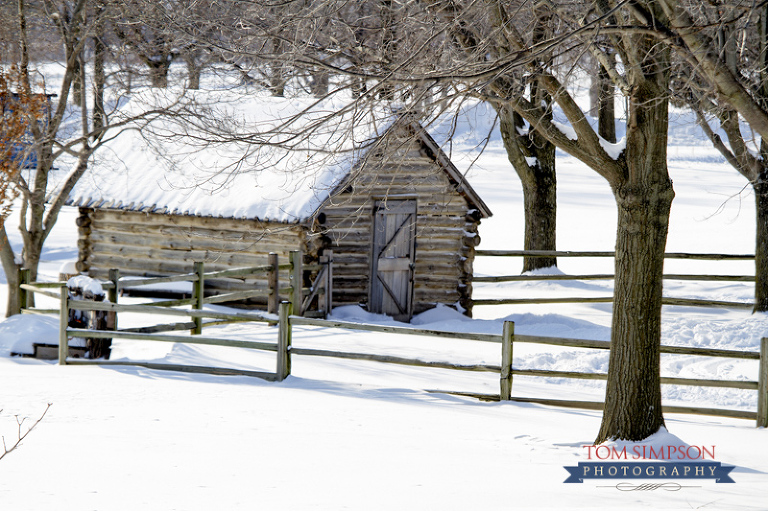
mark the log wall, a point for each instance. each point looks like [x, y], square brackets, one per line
[148, 244]
[446, 228]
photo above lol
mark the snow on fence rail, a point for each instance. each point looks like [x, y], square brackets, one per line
[608, 276]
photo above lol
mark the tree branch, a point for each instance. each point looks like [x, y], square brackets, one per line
[21, 436]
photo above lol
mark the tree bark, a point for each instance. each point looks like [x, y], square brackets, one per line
[32, 253]
[606, 115]
[760, 182]
[533, 158]
[761, 246]
[644, 199]
[633, 393]
[194, 78]
[194, 70]
[540, 200]
[10, 268]
[99, 77]
[319, 81]
[158, 73]
[78, 84]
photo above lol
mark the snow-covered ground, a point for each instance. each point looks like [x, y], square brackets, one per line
[360, 435]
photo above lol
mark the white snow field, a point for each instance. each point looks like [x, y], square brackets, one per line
[341, 434]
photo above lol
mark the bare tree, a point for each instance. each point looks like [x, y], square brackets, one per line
[42, 197]
[643, 192]
[37, 220]
[141, 28]
[636, 172]
[390, 51]
[532, 155]
[724, 53]
[18, 111]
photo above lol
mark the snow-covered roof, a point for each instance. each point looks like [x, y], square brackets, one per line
[183, 165]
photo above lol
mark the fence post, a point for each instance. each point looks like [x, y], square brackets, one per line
[198, 288]
[274, 285]
[24, 274]
[329, 284]
[284, 341]
[325, 300]
[297, 280]
[112, 294]
[114, 277]
[63, 324]
[507, 337]
[762, 386]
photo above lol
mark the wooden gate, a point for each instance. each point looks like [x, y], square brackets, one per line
[392, 261]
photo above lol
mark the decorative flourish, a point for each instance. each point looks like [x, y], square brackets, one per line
[668, 486]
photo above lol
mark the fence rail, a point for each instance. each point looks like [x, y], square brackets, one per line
[197, 314]
[299, 295]
[568, 253]
[220, 371]
[507, 370]
[284, 349]
[285, 320]
[65, 333]
[610, 276]
[690, 302]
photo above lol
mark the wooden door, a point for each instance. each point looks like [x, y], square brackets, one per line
[392, 261]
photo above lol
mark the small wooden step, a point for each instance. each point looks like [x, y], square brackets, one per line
[51, 351]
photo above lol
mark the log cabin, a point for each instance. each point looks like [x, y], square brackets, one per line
[401, 220]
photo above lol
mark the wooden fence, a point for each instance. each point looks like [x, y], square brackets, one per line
[606, 276]
[507, 370]
[285, 351]
[301, 297]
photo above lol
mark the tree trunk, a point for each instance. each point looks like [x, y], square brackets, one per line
[633, 393]
[533, 158]
[194, 70]
[319, 83]
[194, 78]
[540, 200]
[760, 185]
[761, 245]
[277, 71]
[606, 115]
[78, 84]
[158, 74]
[31, 255]
[277, 82]
[99, 78]
[359, 87]
[10, 268]
[644, 198]
[389, 46]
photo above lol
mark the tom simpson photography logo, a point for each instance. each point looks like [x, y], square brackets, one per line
[610, 463]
